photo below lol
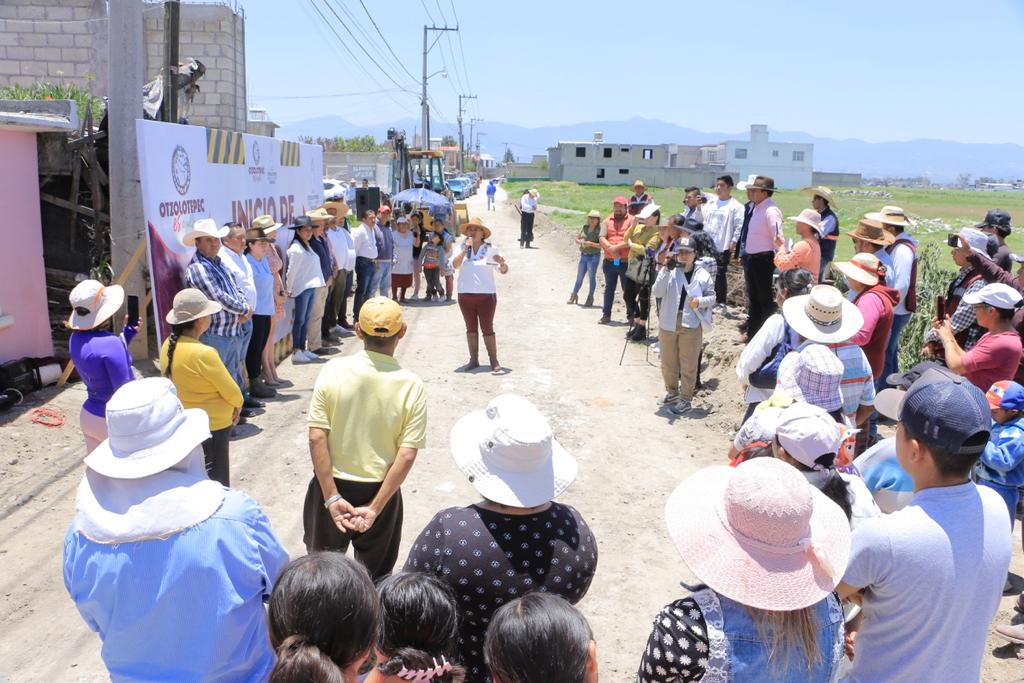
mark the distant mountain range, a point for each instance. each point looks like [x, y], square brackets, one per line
[939, 160]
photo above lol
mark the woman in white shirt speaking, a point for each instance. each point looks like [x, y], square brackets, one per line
[476, 260]
[303, 278]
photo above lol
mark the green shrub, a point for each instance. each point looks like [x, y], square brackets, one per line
[57, 91]
[933, 277]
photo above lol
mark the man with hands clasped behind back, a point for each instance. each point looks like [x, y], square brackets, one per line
[367, 421]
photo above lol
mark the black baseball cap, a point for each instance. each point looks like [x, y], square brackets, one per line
[998, 219]
[903, 380]
[945, 412]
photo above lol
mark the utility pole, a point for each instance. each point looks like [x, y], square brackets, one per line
[423, 95]
[127, 224]
[471, 122]
[462, 148]
[172, 26]
[504, 159]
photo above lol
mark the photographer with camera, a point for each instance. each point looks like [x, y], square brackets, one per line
[963, 323]
[687, 294]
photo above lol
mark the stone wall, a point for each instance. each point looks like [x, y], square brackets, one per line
[54, 40]
[214, 35]
[50, 40]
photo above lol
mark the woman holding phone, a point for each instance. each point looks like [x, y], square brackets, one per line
[100, 356]
[476, 260]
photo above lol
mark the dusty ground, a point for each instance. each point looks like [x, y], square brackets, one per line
[631, 456]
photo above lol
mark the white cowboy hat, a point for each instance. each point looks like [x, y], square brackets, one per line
[810, 217]
[760, 534]
[824, 316]
[92, 303]
[742, 185]
[148, 430]
[863, 268]
[821, 191]
[510, 455]
[204, 227]
[890, 215]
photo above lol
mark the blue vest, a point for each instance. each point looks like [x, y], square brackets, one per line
[738, 653]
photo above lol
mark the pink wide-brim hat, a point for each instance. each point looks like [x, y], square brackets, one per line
[760, 534]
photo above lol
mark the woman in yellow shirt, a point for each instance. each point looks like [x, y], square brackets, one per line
[643, 238]
[200, 377]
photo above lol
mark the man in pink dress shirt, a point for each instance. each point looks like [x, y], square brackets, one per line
[759, 248]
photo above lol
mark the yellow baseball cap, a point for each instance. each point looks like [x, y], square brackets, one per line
[380, 317]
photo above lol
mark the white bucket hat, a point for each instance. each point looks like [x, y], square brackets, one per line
[148, 431]
[510, 455]
[204, 227]
[996, 295]
[976, 240]
[810, 217]
[760, 534]
[190, 304]
[92, 303]
[824, 316]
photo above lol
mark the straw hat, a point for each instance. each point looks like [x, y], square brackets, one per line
[341, 207]
[864, 268]
[824, 316]
[872, 231]
[204, 227]
[93, 303]
[533, 192]
[475, 222]
[821, 191]
[191, 304]
[890, 215]
[639, 183]
[510, 455]
[318, 215]
[148, 431]
[810, 217]
[760, 534]
[594, 213]
[266, 223]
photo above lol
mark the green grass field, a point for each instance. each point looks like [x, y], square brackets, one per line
[941, 210]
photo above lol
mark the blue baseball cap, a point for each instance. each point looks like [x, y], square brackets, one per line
[1006, 395]
[948, 413]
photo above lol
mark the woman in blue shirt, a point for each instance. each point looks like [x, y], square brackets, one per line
[170, 568]
[257, 243]
[100, 356]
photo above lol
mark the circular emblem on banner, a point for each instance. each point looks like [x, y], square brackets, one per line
[181, 170]
[255, 153]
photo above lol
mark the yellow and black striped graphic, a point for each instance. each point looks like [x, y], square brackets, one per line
[224, 147]
[289, 153]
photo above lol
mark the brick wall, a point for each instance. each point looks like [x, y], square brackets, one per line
[50, 40]
[215, 36]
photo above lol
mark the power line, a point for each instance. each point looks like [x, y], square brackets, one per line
[341, 41]
[386, 43]
[462, 52]
[360, 45]
[429, 15]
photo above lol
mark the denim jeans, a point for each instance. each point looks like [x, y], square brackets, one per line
[587, 266]
[892, 350]
[303, 309]
[364, 277]
[612, 274]
[231, 351]
[382, 278]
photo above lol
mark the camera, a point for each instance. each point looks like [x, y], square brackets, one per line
[670, 262]
[953, 241]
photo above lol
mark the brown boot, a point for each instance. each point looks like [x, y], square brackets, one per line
[492, 352]
[473, 340]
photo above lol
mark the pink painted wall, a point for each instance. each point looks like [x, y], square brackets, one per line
[22, 278]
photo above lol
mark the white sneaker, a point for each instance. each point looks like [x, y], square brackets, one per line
[300, 357]
[310, 356]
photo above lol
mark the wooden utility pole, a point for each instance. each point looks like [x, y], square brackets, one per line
[127, 223]
[172, 26]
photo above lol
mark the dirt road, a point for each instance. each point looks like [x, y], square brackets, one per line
[630, 454]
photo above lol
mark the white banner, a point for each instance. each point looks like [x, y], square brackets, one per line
[191, 172]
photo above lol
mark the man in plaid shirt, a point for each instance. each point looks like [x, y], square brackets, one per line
[207, 273]
[968, 280]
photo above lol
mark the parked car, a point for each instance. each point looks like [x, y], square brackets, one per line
[460, 187]
[334, 189]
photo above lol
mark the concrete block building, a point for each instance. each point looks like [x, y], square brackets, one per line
[670, 165]
[67, 40]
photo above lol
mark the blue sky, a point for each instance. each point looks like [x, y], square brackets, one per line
[874, 70]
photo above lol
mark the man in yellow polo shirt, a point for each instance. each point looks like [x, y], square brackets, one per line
[367, 421]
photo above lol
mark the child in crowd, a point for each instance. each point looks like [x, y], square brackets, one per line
[431, 259]
[1001, 466]
[540, 637]
[688, 295]
[419, 631]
